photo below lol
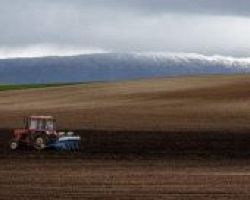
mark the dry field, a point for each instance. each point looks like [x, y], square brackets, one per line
[67, 178]
[166, 138]
[165, 104]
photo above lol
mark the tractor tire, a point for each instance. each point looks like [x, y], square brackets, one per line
[14, 144]
[40, 142]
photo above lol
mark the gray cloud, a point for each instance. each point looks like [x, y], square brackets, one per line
[219, 7]
[201, 26]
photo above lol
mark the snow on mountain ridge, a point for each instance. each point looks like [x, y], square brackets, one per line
[189, 57]
[116, 66]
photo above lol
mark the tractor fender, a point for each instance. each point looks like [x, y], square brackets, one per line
[34, 135]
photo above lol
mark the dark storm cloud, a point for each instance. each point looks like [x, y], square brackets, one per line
[201, 26]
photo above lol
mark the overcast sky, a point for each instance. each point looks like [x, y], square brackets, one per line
[65, 27]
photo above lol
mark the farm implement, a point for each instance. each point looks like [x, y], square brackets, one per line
[40, 133]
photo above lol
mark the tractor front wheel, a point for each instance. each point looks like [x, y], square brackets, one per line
[40, 142]
[14, 144]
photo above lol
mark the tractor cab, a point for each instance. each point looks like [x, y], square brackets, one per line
[40, 123]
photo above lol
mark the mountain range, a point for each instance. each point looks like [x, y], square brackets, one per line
[115, 66]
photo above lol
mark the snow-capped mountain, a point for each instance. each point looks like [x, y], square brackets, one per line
[116, 66]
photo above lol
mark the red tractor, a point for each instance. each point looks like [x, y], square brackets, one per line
[40, 133]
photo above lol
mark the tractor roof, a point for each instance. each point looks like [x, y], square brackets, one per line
[41, 117]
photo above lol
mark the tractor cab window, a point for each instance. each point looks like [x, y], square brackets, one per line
[49, 125]
[40, 124]
[33, 124]
[37, 124]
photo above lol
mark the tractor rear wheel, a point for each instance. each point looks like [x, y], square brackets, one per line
[14, 144]
[40, 142]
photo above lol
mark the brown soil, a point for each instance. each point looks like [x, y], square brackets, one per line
[131, 165]
[212, 103]
[123, 179]
[178, 138]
